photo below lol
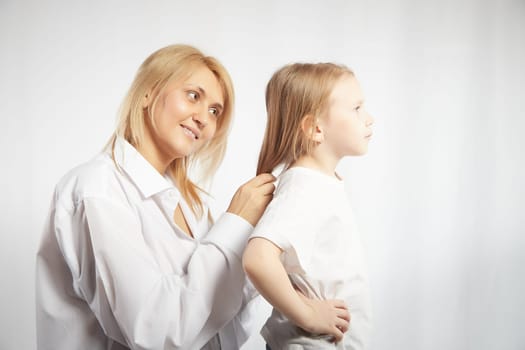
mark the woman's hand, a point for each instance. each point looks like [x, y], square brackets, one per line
[329, 317]
[251, 199]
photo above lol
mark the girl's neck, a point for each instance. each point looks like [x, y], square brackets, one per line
[323, 165]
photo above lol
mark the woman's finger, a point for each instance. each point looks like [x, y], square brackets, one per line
[261, 179]
[267, 188]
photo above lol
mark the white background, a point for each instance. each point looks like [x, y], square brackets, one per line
[440, 197]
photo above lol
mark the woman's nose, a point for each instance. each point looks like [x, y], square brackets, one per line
[200, 118]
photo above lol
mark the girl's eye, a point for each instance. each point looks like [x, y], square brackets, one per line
[193, 95]
[357, 108]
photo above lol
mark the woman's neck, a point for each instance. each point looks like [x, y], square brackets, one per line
[154, 155]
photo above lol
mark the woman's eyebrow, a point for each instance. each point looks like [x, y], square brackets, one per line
[203, 92]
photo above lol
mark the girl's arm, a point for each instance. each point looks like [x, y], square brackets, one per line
[261, 261]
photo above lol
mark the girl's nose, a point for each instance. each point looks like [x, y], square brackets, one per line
[369, 120]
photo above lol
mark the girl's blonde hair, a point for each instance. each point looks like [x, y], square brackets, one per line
[294, 92]
[175, 63]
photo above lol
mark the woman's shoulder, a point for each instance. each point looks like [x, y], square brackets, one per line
[98, 177]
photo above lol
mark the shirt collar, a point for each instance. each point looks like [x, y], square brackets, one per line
[147, 179]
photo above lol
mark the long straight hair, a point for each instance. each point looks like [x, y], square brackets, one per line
[294, 92]
[174, 63]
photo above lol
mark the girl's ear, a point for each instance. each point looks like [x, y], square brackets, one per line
[312, 129]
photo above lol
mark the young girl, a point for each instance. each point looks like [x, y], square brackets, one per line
[129, 258]
[307, 238]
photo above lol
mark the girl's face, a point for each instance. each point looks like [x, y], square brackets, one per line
[346, 125]
[185, 116]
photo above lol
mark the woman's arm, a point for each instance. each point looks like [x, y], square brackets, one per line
[135, 300]
[261, 261]
[152, 307]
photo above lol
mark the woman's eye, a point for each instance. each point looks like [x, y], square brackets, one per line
[193, 95]
[357, 108]
[214, 111]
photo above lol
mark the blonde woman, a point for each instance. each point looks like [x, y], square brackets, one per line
[129, 258]
[307, 238]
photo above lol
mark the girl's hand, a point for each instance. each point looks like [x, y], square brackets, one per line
[251, 199]
[261, 261]
[329, 317]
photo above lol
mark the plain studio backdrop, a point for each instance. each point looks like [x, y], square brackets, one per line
[440, 197]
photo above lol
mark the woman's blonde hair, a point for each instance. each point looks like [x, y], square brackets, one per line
[175, 63]
[294, 92]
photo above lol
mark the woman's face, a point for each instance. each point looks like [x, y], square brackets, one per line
[185, 116]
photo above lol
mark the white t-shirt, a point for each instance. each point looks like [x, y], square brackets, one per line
[310, 219]
[115, 272]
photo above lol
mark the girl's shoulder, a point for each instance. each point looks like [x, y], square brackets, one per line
[307, 178]
[296, 187]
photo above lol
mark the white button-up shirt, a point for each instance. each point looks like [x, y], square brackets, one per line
[115, 272]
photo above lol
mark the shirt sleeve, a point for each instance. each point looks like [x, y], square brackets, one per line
[130, 295]
[289, 223]
[246, 322]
